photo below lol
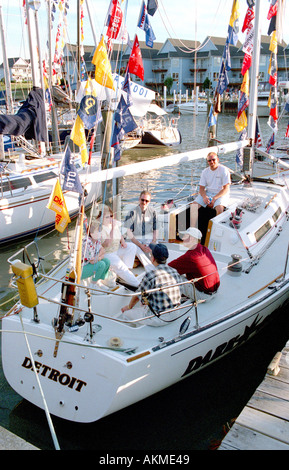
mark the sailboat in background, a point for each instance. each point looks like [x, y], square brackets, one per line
[29, 173]
[85, 360]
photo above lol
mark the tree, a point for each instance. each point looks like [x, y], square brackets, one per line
[168, 82]
[207, 83]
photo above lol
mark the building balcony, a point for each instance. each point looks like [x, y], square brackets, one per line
[198, 70]
[159, 70]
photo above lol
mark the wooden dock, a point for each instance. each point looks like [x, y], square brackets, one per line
[264, 422]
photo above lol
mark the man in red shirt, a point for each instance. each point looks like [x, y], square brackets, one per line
[196, 263]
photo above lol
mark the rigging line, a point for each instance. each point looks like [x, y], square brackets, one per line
[51, 427]
[187, 49]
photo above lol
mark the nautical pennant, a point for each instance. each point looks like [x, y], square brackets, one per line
[240, 152]
[258, 140]
[114, 21]
[223, 79]
[103, 74]
[233, 28]
[135, 63]
[250, 15]
[144, 24]
[212, 120]
[124, 123]
[71, 178]
[126, 88]
[57, 204]
[79, 138]
[152, 7]
[247, 48]
[272, 71]
[287, 132]
[241, 120]
[270, 142]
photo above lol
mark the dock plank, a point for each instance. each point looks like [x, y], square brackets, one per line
[264, 422]
[243, 438]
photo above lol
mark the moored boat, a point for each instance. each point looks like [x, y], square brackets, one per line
[77, 355]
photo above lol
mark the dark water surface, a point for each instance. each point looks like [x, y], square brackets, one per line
[191, 414]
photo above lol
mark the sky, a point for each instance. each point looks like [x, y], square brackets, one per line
[181, 19]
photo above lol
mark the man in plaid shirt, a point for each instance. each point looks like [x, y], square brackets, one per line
[159, 300]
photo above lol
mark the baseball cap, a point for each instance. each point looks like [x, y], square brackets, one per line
[193, 232]
[160, 253]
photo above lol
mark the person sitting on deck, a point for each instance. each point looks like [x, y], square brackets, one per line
[196, 263]
[120, 254]
[141, 224]
[214, 190]
[94, 263]
[160, 300]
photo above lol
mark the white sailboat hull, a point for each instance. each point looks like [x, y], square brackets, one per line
[100, 383]
[91, 377]
[24, 211]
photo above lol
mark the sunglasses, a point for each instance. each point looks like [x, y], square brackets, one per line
[212, 160]
[145, 200]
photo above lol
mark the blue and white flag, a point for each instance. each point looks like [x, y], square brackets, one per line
[212, 121]
[240, 152]
[152, 7]
[71, 178]
[144, 24]
[226, 56]
[124, 123]
[223, 81]
[126, 88]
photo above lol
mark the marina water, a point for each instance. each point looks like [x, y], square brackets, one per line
[191, 414]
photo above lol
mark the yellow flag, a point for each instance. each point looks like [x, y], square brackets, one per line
[241, 122]
[79, 138]
[57, 204]
[246, 83]
[273, 43]
[103, 74]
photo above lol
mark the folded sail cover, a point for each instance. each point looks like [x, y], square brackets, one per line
[29, 121]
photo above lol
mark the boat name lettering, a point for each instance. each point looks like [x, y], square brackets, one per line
[55, 375]
[211, 355]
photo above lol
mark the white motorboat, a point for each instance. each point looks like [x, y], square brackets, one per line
[157, 128]
[189, 107]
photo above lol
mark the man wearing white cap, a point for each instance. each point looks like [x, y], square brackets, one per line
[196, 263]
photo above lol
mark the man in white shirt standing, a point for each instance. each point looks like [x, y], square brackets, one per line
[214, 185]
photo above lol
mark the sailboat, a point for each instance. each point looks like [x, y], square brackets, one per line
[78, 358]
[29, 172]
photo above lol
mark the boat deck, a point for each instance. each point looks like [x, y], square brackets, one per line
[264, 422]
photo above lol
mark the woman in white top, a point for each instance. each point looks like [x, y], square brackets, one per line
[120, 254]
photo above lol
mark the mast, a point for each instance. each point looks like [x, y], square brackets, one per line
[254, 74]
[254, 77]
[32, 6]
[55, 132]
[9, 100]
